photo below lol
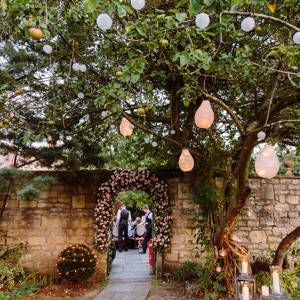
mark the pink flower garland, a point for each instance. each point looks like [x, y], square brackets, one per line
[128, 180]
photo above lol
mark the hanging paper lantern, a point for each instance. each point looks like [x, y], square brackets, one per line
[82, 68]
[154, 144]
[202, 20]
[296, 37]
[126, 128]
[172, 131]
[47, 49]
[248, 24]
[204, 116]
[267, 163]
[261, 135]
[138, 4]
[80, 95]
[186, 161]
[104, 22]
[76, 67]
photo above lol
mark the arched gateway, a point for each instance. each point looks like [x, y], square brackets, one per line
[128, 180]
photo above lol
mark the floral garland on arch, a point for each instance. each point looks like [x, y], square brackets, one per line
[124, 180]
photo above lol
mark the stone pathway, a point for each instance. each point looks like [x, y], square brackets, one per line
[129, 278]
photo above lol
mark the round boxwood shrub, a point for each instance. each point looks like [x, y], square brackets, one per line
[76, 263]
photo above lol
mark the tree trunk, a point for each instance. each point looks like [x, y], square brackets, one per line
[284, 246]
[242, 191]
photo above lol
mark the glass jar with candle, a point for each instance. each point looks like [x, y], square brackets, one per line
[245, 288]
[275, 278]
[245, 267]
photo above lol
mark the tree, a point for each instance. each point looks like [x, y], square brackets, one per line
[153, 67]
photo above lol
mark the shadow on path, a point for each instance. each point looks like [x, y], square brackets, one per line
[129, 278]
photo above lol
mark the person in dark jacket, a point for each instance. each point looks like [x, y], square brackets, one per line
[123, 220]
[148, 224]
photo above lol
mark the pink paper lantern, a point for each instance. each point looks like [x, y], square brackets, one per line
[204, 116]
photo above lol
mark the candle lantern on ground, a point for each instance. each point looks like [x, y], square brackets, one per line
[245, 282]
[275, 272]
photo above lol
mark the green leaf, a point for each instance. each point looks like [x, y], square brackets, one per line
[181, 16]
[90, 5]
[208, 2]
[121, 11]
[3, 5]
[184, 59]
[140, 30]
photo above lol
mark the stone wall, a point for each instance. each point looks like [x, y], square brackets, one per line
[64, 215]
[272, 211]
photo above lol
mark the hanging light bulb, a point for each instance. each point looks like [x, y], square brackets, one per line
[218, 269]
[204, 116]
[296, 37]
[138, 4]
[80, 95]
[248, 24]
[82, 68]
[186, 161]
[202, 20]
[126, 128]
[47, 49]
[76, 67]
[267, 163]
[261, 135]
[104, 22]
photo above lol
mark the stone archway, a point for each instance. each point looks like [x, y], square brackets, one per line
[124, 180]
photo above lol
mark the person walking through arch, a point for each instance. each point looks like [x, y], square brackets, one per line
[123, 220]
[148, 225]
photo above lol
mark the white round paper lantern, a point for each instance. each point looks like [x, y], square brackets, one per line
[261, 135]
[76, 67]
[126, 127]
[47, 49]
[82, 68]
[248, 24]
[104, 22]
[204, 116]
[267, 163]
[202, 20]
[154, 144]
[172, 132]
[186, 161]
[138, 4]
[80, 95]
[296, 37]
[218, 269]
[104, 114]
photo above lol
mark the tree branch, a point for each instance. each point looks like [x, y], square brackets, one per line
[229, 110]
[267, 17]
[178, 144]
[284, 246]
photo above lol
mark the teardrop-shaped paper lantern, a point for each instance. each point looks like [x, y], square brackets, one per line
[186, 161]
[138, 4]
[47, 49]
[248, 24]
[82, 68]
[204, 116]
[104, 22]
[267, 163]
[126, 128]
[80, 95]
[202, 20]
[296, 37]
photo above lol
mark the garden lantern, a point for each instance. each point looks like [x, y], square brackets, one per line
[138, 4]
[126, 128]
[104, 22]
[186, 161]
[76, 67]
[296, 37]
[267, 163]
[204, 116]
[82, 68]
[248, 24]
[245, 268]
[80, 95]
[265, 291]
[202, 20]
